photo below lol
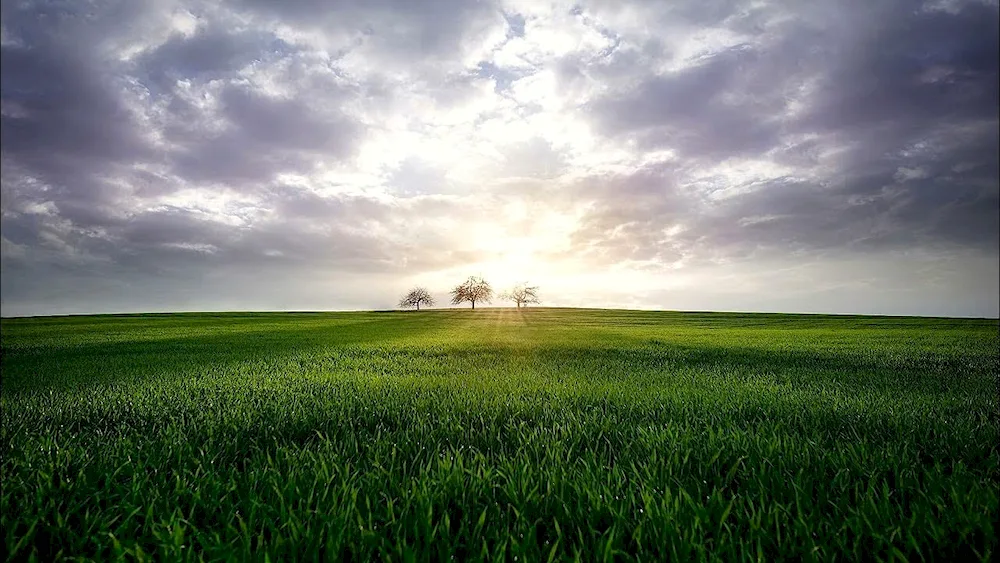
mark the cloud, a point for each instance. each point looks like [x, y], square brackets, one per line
[396, 36]
[704, 111]
[181, 154]
[868, 134]
[262, 136]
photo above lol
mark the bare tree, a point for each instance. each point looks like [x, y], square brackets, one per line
[415, 297]
[522, 294]
[472, 290]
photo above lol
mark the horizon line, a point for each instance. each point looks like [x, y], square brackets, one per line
[433, 309]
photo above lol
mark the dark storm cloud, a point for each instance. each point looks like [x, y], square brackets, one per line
[264, 136]
[64, 124]
[686, 110]
[67, 127]
[210, 53]
[402, 29]
[72, 139]
[55, 104]
[900, 114]
[910, 70]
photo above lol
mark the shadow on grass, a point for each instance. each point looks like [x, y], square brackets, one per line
[76, 365]
[924, 372]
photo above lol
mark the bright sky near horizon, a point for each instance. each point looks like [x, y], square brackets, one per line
[725, 155]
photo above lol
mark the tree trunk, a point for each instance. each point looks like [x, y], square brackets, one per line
[418, 305]
[473, 303]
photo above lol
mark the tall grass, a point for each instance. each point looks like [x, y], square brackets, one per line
[533, 435]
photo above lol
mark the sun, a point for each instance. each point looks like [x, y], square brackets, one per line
[519, 242]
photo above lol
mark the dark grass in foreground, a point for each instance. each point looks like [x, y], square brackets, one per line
[538, 435]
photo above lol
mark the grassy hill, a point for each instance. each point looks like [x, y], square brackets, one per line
[541, 434]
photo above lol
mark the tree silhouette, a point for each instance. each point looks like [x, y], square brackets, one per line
[522, 294]
[415, 297]
[472, 290]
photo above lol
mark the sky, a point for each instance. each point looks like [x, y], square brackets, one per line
[165, 155]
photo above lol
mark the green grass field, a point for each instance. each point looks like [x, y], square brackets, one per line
[542, 435]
